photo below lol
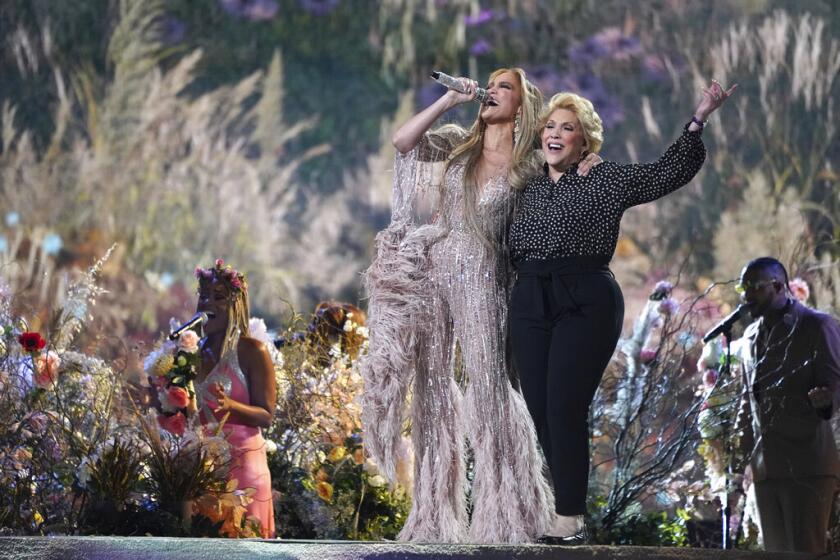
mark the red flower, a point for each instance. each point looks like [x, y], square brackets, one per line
[179, 396]
[175, 424]
[32, 341]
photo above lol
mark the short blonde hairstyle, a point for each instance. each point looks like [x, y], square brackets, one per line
[590, 121]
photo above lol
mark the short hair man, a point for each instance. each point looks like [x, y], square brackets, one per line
[791, 384]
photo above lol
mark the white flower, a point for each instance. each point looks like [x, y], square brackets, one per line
[259, 330]
[270, 446]
[188, 342]
[84, 473]
[376, 481]
[166, 405]
[710, 357]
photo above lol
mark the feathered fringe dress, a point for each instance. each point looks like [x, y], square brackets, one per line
[430, 286]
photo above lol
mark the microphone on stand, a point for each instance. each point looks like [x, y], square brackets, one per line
[481, 94]
[725, 326]
[198, 319]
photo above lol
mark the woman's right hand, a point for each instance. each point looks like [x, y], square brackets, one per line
[407, 136]
[469, 86]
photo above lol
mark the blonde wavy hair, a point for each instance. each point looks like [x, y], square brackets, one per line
[590, 121]
[239, 310]
[522, 164]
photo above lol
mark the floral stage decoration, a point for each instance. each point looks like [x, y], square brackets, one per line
[171, 368]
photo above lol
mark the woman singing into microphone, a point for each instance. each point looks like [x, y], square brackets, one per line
[442, 285]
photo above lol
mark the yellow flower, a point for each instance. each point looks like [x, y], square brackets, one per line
[38, 518]
[163, 364]
[337, 453]
[325, 491]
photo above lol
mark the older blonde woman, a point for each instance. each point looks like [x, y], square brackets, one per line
[566, 308]
[443, 282]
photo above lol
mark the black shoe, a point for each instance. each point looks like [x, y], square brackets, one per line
[578, 539]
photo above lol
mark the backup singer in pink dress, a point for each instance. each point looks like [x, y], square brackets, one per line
[236, 384]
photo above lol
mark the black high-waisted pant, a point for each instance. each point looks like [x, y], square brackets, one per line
[565, 320]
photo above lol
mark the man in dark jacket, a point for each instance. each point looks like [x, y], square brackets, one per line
[791, 385]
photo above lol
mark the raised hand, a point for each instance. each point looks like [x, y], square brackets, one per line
[469, 86]
[713, 97]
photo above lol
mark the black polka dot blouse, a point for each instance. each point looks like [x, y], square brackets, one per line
[580, 216]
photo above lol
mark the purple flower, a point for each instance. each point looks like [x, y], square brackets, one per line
[480, 47]
[482, 17]
[255, 10]
[174, 30]
[591, 87]
[319, 7]
[545, 77]
[653, 66]
[610, 43]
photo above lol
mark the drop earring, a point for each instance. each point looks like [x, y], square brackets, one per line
[517, 123]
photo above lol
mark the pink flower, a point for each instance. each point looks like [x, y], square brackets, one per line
[647, 355]
[198, 272]
[710, 377]
[799, 289]
[188, 342]
[38, 422]
[236, 283]
[668, 307]
[178, 396]
[46, 367]
[175, 424]
[220, 263]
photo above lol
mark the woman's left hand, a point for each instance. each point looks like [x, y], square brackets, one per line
[223, 401]
[587, 163]
[713, 97]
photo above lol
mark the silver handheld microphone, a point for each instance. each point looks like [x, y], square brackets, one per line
[198, 319]
[481, 94]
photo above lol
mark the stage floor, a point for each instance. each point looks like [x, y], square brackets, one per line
[159, 548]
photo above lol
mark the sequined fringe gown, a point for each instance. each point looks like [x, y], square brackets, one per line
[431, 285]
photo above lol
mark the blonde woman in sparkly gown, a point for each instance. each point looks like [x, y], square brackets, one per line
[444, 281]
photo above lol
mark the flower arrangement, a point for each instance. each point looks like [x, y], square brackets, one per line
[172, 368]
[328, 487]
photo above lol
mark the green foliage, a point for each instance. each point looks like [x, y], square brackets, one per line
[639, 528]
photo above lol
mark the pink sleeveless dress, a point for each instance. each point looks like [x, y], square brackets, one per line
[247, 446]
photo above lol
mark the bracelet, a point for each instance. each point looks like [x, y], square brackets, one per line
[698, 122]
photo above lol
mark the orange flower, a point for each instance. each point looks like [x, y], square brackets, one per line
[337, 453]
[325, 491]
[178, 396]
[175, 424]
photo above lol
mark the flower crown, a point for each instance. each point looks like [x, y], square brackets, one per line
[232, 278]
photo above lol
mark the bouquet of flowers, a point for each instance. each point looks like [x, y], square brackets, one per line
[172, 368]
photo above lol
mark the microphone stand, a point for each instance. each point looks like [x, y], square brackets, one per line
[726, 510]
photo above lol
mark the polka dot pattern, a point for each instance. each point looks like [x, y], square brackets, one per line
[580, 216]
